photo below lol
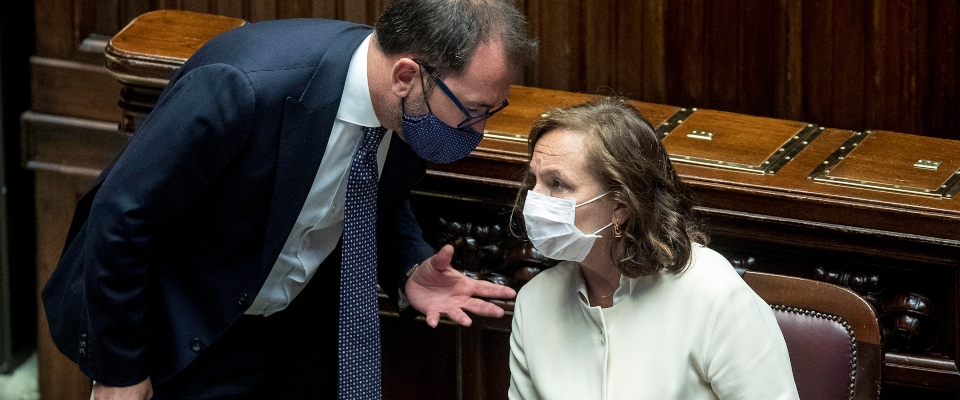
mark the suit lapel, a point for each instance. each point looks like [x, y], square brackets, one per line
[304, 133]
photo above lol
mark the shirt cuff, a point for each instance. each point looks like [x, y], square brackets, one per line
[403, 301]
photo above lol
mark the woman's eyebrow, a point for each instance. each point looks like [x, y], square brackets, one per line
[545, 172]
[550, 173]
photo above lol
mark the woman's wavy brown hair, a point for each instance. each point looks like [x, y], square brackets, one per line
[625, 155]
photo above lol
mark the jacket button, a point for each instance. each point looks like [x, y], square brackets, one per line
[196, 345]
[244, 300]
[82, 345]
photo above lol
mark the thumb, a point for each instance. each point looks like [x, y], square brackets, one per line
[441, 260]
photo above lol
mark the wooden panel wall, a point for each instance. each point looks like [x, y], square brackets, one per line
[853, 64]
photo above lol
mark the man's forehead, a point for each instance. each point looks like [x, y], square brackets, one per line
[487, 76]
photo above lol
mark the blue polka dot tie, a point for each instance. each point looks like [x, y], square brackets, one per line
[359, 334]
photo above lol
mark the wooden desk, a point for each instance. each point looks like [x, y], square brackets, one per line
[847, 221]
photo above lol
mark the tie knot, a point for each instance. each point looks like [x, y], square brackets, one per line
[371, 138]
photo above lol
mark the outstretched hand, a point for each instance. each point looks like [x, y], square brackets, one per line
[140, 391]
[437, 289]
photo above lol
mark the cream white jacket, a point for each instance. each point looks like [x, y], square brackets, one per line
[703, 334]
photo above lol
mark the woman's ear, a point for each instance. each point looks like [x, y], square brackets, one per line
[620, 214]
[404, 76]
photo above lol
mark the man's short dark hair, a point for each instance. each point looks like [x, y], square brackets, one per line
[445, 34]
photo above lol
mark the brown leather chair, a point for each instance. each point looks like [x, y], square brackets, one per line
[832, 334]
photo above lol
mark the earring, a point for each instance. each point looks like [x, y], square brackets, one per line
[616, 228]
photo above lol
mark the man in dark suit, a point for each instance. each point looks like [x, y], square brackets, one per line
[208, 260]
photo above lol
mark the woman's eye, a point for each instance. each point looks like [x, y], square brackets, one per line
[556, 184]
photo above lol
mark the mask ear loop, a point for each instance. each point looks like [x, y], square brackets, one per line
[604, 227]
[615, 227]
[423, 85]
[591, 200]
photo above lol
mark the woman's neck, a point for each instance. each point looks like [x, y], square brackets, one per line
[602, 279]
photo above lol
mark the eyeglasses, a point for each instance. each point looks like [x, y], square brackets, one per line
[471, 118]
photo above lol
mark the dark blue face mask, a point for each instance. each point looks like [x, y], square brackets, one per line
[435, 141]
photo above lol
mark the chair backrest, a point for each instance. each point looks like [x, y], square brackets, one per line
[832, 334]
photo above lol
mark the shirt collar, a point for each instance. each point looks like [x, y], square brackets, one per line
[355, 104]
[623, 291]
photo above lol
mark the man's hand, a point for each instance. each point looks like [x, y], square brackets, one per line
[140, 391]
[436, 289]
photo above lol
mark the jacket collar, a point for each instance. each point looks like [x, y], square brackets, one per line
[304, 133]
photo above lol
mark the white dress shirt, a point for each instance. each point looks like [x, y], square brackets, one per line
[703, 334]
[320, 223]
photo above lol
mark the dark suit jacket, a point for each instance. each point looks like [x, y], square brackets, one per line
[178, 235]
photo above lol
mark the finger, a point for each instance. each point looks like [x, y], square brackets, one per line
[458, 316]
[433, 318]
[441, 260]
[492, 290]
[483, 308]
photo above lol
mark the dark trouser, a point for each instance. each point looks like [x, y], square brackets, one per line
[291, 354]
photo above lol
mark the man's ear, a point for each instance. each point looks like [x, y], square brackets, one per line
[404, 76]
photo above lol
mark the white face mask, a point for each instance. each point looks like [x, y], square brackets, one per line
[549, 222]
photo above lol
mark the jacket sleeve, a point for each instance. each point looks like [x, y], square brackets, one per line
[745, 355]
[200, 124]
[407, 248]
[521, 384]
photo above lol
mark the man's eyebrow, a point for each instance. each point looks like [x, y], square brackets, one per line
[477, 104]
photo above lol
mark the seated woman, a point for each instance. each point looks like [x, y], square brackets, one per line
[639, 308]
